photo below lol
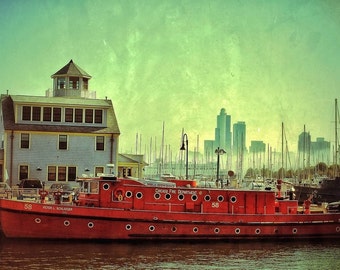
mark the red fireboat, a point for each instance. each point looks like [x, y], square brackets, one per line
[114, 208]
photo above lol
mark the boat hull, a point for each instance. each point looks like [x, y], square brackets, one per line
[328, 191]
[34, 220]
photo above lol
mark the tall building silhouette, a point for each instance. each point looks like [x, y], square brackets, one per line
[222, 136]
[239, 137]
[223, 131]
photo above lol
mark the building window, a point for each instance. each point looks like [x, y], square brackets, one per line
[61, 173]
[25, 140]
[98, 116]
[74, 83]
[88, 116]
[47, 113]
[26, 113]
[68, 115]
[61, 83]
[85, 83]
[100, 143]
[98, 170]
[78, 116]
[56, 114]
[71, 174]
[62, 142]
[36, 114]
[23, 172]
[52, 173]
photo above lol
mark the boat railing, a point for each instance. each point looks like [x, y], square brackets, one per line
[31, 194]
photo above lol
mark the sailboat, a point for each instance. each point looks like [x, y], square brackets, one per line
[327, 190]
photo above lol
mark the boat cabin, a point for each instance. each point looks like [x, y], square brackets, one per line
[156, 195]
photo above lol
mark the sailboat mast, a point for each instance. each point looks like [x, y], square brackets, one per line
[336, 137]
[282, 151]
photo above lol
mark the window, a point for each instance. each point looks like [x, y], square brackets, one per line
[51, 173]
[98, 170]
[47, 111]
[61, 173]
[74, 83]
[62, 142]
[61, 83]
[36, 113]
[100, 143]
[71, 174]
[88, 116]
[98, 116]
[78, 116]
[68, 115]
[26, 113]
[85, 83]
[25, 140]
[56, 114]
[23, 172]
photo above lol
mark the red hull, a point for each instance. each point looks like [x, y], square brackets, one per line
[128, 210]
[32, 220]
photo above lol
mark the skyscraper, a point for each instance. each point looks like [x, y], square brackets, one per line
[222, 136]
[239, 137]
[223, 131]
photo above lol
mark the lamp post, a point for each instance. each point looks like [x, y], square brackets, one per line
[185, 146]
[219, 152]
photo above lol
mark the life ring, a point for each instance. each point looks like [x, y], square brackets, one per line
[119, 194]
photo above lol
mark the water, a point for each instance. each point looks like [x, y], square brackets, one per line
[28, 254]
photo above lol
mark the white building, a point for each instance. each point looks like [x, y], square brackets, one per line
[60, 136]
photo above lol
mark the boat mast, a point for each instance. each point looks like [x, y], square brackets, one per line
[336, 137]
[282, 150]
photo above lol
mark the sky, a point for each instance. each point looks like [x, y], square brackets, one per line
[178, 63]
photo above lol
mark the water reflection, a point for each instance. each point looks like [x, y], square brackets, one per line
[16, 254]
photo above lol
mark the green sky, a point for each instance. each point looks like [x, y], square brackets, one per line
[180, 62]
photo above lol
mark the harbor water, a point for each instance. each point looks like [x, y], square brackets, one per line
[38, 254]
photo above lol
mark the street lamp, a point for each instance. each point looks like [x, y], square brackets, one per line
[185, 147]
[219, 152]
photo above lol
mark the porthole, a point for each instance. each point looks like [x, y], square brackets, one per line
[139, 195]
[337, 229]
[180, 197]
[207, 198]
[128, 227]
[195, 229]
[276, 230]
[151, 228]
[157, 196]
[194, 197]
[106, 186]
[294, 230]
[233, 199]
[90, 225]
[128, 194]
[174, 229]
[257, 231]
[67, 223]
[237, 230]
[37, 220]
[168, 196]
[220, 198]
[217, 230]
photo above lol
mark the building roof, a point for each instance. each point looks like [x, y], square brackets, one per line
[130, 158]
[71, 69]
[8, 104]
